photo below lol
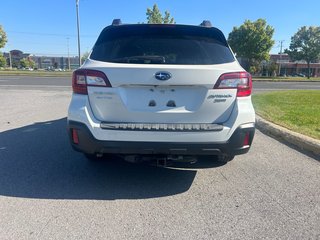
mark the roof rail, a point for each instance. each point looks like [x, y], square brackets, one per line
[116, 22]
[206, 23]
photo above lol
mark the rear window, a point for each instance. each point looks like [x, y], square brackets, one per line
[162, 44]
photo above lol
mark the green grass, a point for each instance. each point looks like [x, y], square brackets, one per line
[35, 73]
[297, 110]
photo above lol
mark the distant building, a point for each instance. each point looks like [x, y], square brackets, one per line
[15, 56]
[42, 62]
[289, 67]
[45, 62]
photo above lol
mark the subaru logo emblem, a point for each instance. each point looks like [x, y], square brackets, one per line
[162, 76]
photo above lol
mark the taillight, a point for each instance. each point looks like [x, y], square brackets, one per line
[239, 80]
[82, 78]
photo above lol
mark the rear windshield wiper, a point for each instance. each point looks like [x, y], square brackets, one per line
[141, 59]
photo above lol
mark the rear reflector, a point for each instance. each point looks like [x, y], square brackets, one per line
[86, 77]
[75, 137]
[246, 141]
[242, 81]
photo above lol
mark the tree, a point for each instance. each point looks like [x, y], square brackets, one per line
[305, 45]
[27, 62]
[3, 61]
[255, 67]
[166, 19]
[84, 57]
[32, 63]
[154, 16]
[272, 68]
[252, 40]
[3, 37]
[24, 63]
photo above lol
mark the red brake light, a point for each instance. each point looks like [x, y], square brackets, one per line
[239, 80]
[82, 78]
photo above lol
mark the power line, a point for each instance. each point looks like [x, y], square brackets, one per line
[52, 34]
[37, 43]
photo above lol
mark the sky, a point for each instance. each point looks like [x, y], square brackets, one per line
[48, 27]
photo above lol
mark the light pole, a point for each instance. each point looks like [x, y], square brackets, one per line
[68, 55]
[10, 60]
[280, 57]
[78, 28]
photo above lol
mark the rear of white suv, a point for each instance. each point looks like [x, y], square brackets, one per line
[157, 89]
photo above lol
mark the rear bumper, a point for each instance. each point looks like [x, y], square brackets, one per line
[89, 144]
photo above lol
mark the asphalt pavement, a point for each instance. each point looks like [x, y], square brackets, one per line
[48, 191]
[280, 86]
[34, 81]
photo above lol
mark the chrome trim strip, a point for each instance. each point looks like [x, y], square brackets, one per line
[171, 127]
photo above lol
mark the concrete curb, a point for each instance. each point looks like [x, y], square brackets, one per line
[299, 140]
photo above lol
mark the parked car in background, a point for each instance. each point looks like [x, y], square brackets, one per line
[298, 75]
[301, 75]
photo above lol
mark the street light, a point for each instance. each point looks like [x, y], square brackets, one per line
[280, 57]
[68, 54]
[78, 28]
[10, 60]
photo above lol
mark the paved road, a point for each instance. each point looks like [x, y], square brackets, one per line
[278, 86]
[48, 191]
[32, 83]
[56, 83]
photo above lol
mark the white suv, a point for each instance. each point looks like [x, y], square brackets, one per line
[161, 90]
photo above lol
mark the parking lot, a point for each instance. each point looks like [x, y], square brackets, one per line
[48, 191]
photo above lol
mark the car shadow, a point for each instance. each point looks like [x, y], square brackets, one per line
[37, 161]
